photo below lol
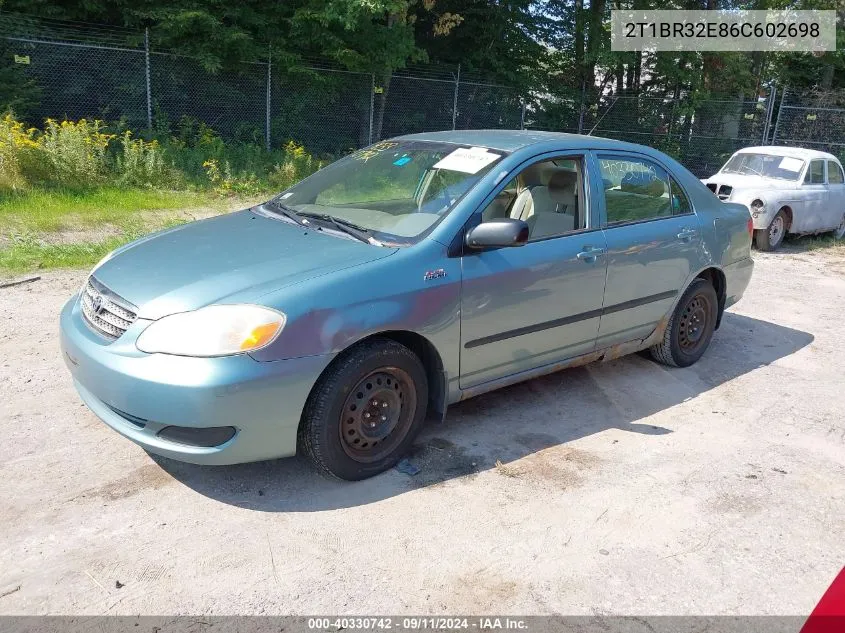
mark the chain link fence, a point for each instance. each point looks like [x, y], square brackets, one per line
[86, 71]
[701, 134]
[815, 120]
[329, 110]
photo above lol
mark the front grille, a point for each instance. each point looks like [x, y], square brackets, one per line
[725, 192]
[712, 186]
[104, 311]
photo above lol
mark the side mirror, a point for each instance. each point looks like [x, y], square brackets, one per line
[498, 233]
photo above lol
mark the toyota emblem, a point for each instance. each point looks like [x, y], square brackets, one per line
[97, 304]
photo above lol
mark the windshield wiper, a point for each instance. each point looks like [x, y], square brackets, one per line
[284, 210]
[345, 226]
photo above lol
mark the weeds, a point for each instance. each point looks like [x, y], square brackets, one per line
[85, 155]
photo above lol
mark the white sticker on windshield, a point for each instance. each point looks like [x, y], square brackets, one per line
[469, 161]
[791, 164]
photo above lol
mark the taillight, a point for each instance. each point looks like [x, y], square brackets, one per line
[750, 228]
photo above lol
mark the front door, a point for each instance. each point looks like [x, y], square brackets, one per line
[527, 306]
[653, 243]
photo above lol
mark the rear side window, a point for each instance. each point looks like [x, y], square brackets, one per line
[815, 173]
[680, 202]
[834, 173]
[635, 190]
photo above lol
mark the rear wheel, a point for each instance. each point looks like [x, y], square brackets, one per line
[365, 410]
[839, 232]
[690, 328]
[771, 238]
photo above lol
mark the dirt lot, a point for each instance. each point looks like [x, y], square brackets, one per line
[617, 488]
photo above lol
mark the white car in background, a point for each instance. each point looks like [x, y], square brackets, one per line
[786, 189]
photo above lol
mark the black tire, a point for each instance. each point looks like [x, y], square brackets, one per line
[690, 327]
[770, 238]
[375, 377]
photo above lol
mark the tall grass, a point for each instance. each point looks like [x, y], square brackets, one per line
[85, 155]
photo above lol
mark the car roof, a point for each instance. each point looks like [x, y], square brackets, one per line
[512, 140]
[795, 152]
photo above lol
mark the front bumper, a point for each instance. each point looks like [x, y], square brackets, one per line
[139, 394]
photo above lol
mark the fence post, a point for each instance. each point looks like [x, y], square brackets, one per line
[777, 120]
[455, 100]
[372, 105]
[269, 100]
[770, 107]
[147, 76]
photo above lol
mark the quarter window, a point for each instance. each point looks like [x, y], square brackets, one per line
[547, 195]
[815, 173]
[680, 202]
[636, 189]
[834, 173]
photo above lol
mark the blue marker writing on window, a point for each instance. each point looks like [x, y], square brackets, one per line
[402, 161]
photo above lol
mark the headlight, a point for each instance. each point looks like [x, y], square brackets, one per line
[218, 330]
[757, 207]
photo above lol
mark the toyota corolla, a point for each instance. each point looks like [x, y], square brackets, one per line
[339, 316]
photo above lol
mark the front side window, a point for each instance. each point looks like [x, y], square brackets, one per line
[815, 174]
[396, 190]
[547, 195]
[834, 173]
[766, 165]
[636, 189]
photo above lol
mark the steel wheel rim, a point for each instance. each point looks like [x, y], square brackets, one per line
[377, 414]
[694, 322]
[839, 233]
[776, 230]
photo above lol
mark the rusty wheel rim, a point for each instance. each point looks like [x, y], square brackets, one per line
[694, 323]
[377, 414]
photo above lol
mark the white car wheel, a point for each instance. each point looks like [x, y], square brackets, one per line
[776, 230]
[770, 238]
[839, 232]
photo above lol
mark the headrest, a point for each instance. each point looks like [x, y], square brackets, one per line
[562, 185]
[532, 176]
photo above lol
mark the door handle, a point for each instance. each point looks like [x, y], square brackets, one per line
[687, 234]
[590, 253]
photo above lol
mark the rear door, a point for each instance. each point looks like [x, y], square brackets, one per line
[836, 193]
[816, 200]
[653, 239]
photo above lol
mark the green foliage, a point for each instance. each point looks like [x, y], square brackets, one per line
[84, 155]
[142, 164]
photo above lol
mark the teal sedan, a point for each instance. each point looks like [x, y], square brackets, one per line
[338, 317]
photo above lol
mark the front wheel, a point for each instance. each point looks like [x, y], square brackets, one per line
[690, 328]
[365, 410]
[771, 238]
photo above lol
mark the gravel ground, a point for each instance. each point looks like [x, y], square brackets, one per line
[623, 488]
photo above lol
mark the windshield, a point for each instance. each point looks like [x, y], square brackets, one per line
[766, 165]
[396, 190]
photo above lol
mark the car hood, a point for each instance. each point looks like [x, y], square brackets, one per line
[230, 258]
[750, 181]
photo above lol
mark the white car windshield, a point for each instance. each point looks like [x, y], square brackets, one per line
[766, 165]
[395, 191]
